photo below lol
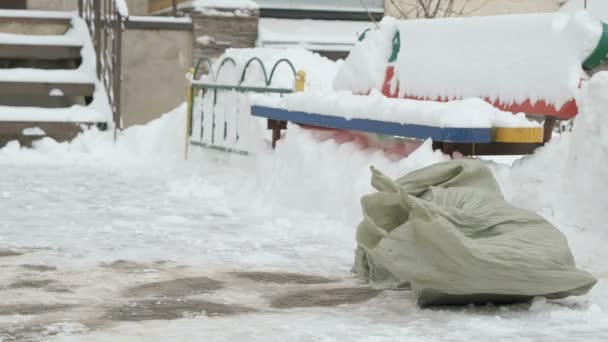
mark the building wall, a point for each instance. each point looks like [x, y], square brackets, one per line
[154, 67]
[487, 7]
[136, 7]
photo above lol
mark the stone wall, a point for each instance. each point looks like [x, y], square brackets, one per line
[215, 32]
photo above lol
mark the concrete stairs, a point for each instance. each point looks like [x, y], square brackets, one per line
[48, 83]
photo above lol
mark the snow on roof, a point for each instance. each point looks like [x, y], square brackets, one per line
[509, 58]
[228, 4]
[599, 8]
[317, 35]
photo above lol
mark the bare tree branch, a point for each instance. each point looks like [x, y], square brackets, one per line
[408, 9]
[371, 17]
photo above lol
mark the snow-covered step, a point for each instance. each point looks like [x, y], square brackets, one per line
[46, 88]
[73, 114]
[33, 17]
[27, 51]
[48, 47]
[28, 124]
[60, 82]
[28, 132]
[41, 94]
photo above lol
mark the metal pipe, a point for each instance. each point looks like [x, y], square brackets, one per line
[117, 71]
[97, 32]
[174, 4]
[80, 8]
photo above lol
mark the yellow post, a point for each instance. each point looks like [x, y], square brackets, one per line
[300, 80]
[189, 116]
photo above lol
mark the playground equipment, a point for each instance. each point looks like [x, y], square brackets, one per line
[219, 114]
[529, 64]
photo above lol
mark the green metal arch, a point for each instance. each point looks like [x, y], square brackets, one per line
[601, 51]
[254, 59]
[280, 61]
[219, 69]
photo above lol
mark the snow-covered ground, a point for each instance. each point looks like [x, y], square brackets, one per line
[95, 220]
[115, 242]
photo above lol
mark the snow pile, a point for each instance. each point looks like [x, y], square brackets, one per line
[589, 147]
[470, 113]
[599, 8]
[365, 67]
[161, 142]
[508, 58]
[325, 178]
[567, 182]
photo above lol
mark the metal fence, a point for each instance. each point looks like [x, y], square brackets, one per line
[106, 23]
[220, 113]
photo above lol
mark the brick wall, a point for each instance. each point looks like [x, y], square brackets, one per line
[224, 31]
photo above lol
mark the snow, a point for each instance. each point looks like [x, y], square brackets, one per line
[121, 7]
[34, 131]
[77, 35]
[205, 40]
[159, 19]
[317, 35]
[56, 92]
[36, 14]
[78, 205]
[374, 6]
[470, 113]
[61, 40]
[74, 113]
[45, 76]
[511, 58]
[223, 4]
[599, 8]
[84, 205]
[365, 67]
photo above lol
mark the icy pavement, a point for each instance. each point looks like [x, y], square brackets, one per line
[103, 242]
[103, 253]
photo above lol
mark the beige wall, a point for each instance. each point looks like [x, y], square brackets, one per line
[136, 7]
[154, 65]
[490, 7]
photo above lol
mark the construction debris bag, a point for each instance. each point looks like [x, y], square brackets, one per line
[447, 232]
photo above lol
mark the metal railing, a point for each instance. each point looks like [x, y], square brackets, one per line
[106, 23]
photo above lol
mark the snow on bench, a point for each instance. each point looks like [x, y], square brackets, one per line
[465, 121]
[530, 63]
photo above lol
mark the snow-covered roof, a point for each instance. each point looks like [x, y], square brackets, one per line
[599, 8]
[316, 35]
[221, 4]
